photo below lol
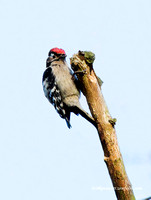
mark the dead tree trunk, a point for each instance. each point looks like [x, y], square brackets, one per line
[82, 64]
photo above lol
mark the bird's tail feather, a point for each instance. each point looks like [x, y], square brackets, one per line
[86, 115]
[67, 118]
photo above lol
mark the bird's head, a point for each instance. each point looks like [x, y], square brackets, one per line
[54, 55]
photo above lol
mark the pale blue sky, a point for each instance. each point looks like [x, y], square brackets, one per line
[40, 158]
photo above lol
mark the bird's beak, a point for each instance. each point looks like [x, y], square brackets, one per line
[50, 59]
[63, 55]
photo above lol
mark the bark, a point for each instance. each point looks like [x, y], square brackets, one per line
[82, 64]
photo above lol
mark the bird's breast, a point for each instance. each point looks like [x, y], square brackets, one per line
[64, 81]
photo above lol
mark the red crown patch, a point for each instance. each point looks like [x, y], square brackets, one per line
[58, 51]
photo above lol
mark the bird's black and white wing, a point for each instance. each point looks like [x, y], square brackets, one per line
[53, 94]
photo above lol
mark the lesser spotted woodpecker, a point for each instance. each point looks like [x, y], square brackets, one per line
[61, 88]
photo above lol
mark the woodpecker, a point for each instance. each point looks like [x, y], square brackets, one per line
[61, 87]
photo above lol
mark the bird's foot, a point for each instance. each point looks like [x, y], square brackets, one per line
[81, 72]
